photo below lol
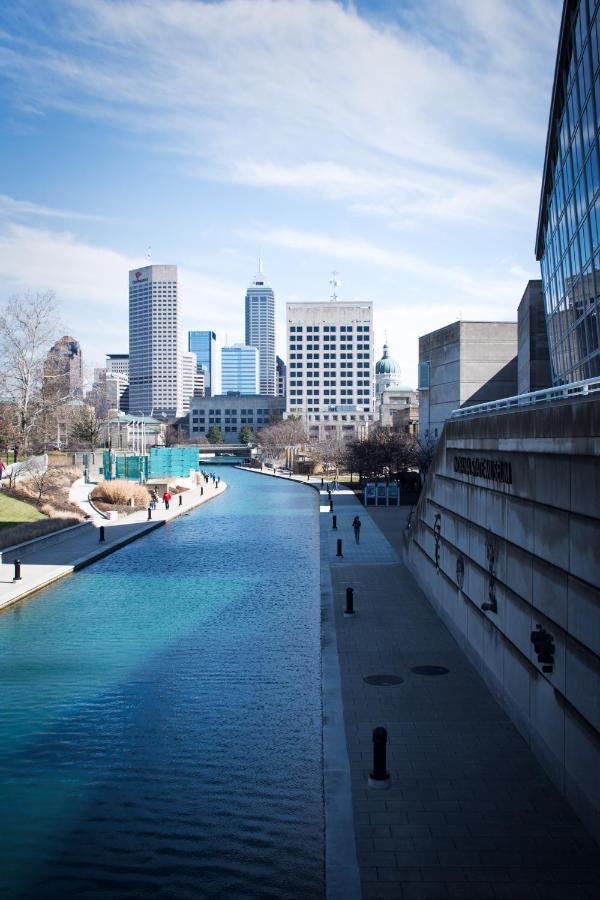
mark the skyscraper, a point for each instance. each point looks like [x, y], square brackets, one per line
[330, 367]
[154, 352]
[239, 369]
[188, 379]
[63, 368]
[568, 235]
[203, 344]
[260, 330]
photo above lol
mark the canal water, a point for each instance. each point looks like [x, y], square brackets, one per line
[160, 713]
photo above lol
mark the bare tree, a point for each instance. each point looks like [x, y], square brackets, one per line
[28, 328]
[87, 429]
[332, 454]
[276, 440]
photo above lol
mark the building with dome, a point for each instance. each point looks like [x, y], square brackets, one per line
[397, 404]
[388, 374]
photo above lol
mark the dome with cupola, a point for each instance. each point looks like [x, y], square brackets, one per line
[388, 374]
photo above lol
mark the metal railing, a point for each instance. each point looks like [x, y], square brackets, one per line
[548, 395]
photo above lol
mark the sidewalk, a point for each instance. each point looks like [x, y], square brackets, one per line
[45, 561]
[469, 812]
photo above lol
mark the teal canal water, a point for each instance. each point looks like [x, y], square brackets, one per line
[160, 713]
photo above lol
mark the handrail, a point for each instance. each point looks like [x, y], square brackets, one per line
[547, 395]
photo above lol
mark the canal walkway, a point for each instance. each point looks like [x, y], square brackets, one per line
[469, 811]
[49, 559]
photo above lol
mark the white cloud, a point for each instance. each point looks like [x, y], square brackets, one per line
[440, 121]
[90, 283]
[9, 206]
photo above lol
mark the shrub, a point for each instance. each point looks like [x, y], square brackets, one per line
[119, 493]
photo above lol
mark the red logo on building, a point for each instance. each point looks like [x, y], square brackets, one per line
[138, 275]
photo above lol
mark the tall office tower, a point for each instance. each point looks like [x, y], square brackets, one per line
[568, 235]
[203, 344]
[260, 330]
[239, 369]
[118, 364]
[281, 373]
[154, 347]
[63, 368]
[330, 367]
[188, 378]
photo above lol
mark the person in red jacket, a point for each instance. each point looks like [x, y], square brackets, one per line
[167, 496]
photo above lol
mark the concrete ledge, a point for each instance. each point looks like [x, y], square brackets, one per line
[42, 537]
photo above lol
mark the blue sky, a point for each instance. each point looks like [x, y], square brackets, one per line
[400, 144]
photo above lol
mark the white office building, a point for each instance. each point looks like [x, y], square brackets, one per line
[155, 382]
[188, 378]
[118, 364]
[330, 367]
[239, 369]
[260, 330]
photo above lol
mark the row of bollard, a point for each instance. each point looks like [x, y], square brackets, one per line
[379, 777]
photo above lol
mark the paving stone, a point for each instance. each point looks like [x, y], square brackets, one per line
[470, 812]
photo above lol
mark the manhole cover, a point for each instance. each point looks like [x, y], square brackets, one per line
[429, 670]
[383, 680]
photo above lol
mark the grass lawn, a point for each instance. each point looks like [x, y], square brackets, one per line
[14, 512]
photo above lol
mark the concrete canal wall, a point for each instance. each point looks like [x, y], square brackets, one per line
[506, 544]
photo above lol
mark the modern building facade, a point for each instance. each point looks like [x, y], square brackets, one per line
[188, 379]
[568, 234]
[533, 357]
[63, 368]
[463, 364]
[204, 344]
[231, 412]
[239, 369]
[118, 364]
[330, 367]
[281, 376]
[260, 330]
[154, 345]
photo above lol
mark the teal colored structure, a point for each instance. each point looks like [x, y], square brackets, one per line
[173, 461]
[107, 460]
[132, 467]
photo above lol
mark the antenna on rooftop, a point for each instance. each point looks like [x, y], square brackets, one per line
[335, 283]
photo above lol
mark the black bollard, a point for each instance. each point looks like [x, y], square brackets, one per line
[349, 611]
[321, 482]
[180, 499]
[329, 493]
[334, 521]
[102, 538]
[379, 777]
[202, 492]
[331, 506]
[149, 513]
[339, 547]
[17, 570]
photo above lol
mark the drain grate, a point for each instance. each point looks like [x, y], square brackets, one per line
[383, 680]
[430, 670]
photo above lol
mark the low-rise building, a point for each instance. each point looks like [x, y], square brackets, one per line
[231, 412]
[534, 354]
[463, 364]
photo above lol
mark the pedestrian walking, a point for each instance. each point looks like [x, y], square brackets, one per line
[2, 468]
[167, 497]
[356, 523]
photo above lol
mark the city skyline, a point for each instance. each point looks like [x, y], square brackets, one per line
[397, 170]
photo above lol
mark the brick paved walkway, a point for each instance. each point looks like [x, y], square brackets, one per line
[470, 812]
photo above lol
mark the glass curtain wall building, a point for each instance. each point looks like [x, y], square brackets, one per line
[239, 369]
[568, 235]
[260, 329]
[203, 344]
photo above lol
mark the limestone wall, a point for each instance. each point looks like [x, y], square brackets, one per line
[506, 542]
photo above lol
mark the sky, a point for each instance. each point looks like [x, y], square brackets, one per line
[399, 143]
